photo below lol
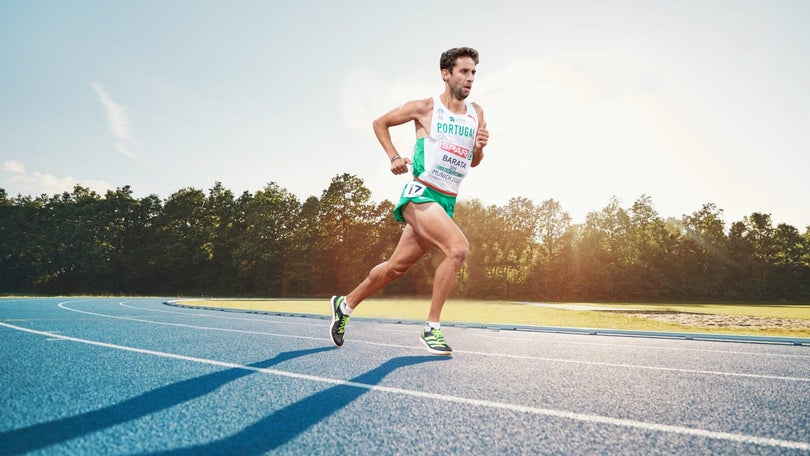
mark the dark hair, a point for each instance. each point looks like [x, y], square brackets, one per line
[449, 57]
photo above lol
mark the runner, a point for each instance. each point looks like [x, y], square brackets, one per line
[450, 139]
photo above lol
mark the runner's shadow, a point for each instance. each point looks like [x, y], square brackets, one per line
[289, 422]
[42, 435]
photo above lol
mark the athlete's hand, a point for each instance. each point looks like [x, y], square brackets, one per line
[482, 137]
[400, 165]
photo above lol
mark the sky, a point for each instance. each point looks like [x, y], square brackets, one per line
[687, 102]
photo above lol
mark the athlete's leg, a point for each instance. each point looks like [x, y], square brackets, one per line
[432, 224]
[409, 249]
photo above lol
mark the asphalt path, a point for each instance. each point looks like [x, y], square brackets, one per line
[135, 376]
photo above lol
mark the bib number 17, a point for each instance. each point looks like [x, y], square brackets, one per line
[413, 189]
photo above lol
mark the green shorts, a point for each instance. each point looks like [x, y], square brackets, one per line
[417, 192]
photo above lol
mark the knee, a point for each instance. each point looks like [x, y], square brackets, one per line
[457, 253]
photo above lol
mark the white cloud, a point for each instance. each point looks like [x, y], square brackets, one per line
[13, 167]
[37, 183]
[117, 121]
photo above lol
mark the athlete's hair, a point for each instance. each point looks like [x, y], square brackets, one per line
[449, 57]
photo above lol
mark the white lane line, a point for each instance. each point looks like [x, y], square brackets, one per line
[183, 325]
[222, 317]
[499, 355]
[648, 347]
[637, 366]
[581, 417]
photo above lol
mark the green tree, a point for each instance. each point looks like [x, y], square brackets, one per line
[648, 247]
[700, 261]
[343, 253]
[483, 274]
[185, 237]
[300, 273]
[790, 278]
[602, 252]
[552, 274]
[226, 224]
[271, 221]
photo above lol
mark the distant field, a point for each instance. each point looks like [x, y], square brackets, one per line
[765, 319]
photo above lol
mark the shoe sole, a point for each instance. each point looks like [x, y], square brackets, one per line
[433, 351]
[332, 310]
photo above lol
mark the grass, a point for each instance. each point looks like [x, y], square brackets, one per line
[562, 315]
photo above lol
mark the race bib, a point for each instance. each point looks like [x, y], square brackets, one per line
[413, 189]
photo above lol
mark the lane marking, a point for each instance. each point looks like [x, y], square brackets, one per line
[581, 417]
[183, 325]
[223, 317]
[650, 347]
[413, 347]
[636, 366]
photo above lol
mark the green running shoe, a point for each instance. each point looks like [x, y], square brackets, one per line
[339, 321]
[435, 343]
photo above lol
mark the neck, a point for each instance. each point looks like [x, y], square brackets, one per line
[452, 103]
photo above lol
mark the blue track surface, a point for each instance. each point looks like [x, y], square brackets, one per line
[134, 376]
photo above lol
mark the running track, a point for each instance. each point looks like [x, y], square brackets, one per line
[134, 376]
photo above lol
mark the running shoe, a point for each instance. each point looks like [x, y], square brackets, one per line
[434, 341]
[339, 320]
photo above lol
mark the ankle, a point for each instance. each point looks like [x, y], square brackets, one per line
[345, 309]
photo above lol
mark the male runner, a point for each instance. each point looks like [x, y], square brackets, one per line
[450, 139]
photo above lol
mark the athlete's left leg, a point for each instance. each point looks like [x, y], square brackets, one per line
[409, 249]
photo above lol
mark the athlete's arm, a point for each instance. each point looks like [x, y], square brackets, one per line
[418, 111]
[481, 137]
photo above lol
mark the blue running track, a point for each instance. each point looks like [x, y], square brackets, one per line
[135, 376]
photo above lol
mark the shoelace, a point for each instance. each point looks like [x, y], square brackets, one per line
[437, 336]
[343, 320]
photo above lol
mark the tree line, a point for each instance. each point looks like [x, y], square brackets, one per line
[271, 244]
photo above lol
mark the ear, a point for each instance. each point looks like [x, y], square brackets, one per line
[445, 75]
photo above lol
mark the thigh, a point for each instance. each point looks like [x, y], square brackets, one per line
[432, 224]
[409, 249]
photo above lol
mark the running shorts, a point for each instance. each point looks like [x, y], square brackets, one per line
[417, 192]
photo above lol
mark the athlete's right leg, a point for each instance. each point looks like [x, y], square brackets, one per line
[432, 224]
[409, 249]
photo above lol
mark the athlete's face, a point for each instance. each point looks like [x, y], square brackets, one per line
[461, 78]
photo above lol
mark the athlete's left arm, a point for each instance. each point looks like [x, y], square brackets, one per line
[481, 137]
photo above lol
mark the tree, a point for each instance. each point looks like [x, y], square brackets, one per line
[185, 235]
[300, 274]
[225, 217]
[790, 278]
[343, 251]
[271, 222]
[602, 253]
[700, 260]
[482, 230]
[551, 276]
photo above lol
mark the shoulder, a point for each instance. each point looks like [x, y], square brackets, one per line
[414, 108]
[422, 106]
[479, 111]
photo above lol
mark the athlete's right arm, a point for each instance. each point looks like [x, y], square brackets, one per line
[418, 111]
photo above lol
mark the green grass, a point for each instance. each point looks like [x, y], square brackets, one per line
[502, 312]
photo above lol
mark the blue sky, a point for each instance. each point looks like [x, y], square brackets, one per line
[688, 102]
